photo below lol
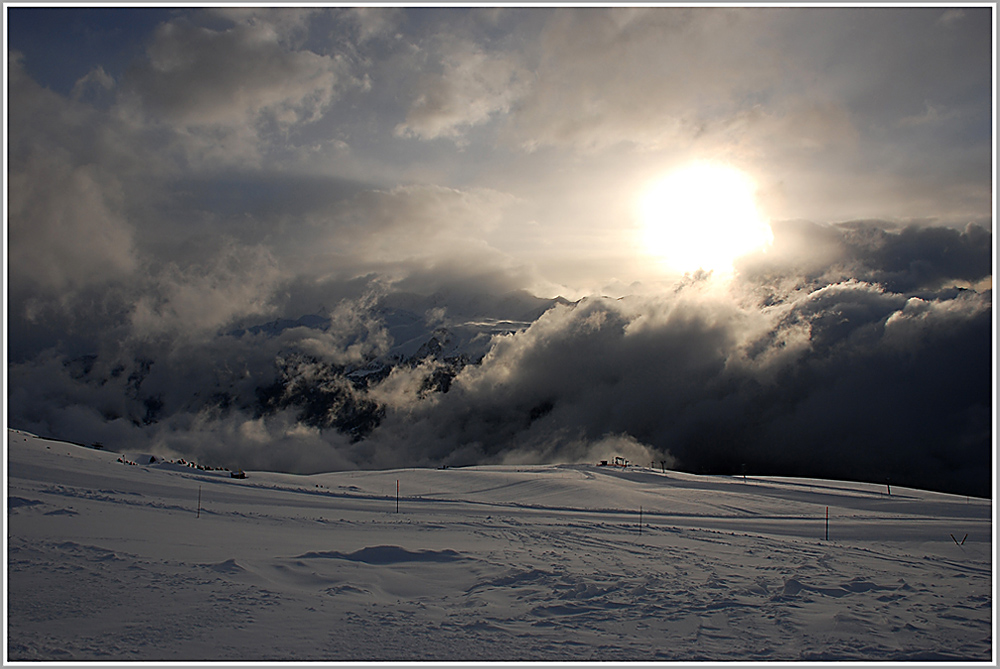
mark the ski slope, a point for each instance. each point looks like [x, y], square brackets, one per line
[109, 561]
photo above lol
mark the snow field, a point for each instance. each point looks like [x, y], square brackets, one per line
[108, 561]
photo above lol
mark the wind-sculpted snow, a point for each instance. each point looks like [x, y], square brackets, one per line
[387, 555]
[112, 562]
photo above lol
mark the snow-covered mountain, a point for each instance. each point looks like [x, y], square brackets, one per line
[443, 331]
[115, 557]
[319, 366]
[698, 378]
[443, 324]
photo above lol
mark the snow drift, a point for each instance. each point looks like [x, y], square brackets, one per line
[109, 561]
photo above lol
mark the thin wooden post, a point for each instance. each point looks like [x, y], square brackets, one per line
[827, 523]
[397, 495]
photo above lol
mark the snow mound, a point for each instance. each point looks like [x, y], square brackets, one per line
[229, 566]
[388, 555]
[19, 502]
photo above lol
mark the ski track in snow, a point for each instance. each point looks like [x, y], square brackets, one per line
[110, 562]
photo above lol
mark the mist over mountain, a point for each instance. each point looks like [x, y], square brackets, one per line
[796, 370]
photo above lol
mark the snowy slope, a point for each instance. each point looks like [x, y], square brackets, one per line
[115, 561]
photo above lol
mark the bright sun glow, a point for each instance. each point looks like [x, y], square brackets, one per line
[702, 216]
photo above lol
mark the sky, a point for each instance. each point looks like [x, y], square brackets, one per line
[175, 173]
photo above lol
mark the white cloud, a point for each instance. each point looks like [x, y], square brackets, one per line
[287, 23]
[921, 321]
[193, 300]
[932, 114]
[97, 80]
[649, 77]
[407, 227]
[67, 224]
[373, 22]
[582, 450]
[951, 16]
[352, 337]
[238, 77]
[471, 88]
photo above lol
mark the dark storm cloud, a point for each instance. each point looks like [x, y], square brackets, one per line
[800, 374]
[838, 378]
[205, 241]
[848, 380]
[917, 257]
[900, 257]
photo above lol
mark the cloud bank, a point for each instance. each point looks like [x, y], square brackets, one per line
[878, 378]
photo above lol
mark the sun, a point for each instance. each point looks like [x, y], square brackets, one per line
[702, 216]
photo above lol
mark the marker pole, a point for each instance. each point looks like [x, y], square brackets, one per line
[397, 495]
[827, 523]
